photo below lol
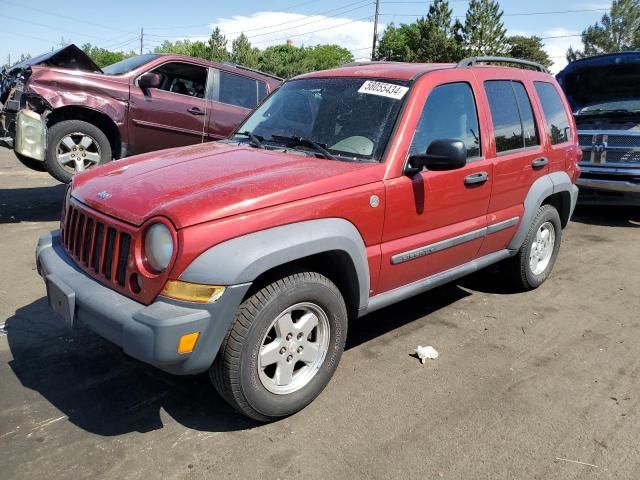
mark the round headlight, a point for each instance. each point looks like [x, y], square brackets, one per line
[158, 247]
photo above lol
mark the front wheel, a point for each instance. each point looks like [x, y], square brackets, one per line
[534, 261]
[73, 147]
[283, 347]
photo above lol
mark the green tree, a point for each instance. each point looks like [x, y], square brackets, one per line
[617, 31]
[282, 60]
[483, 32]
[217, 47]
[528, 48]
[183, 47]
[103, 57]
[438, 38]
[398, 43]
[323, 57]
[243, 53]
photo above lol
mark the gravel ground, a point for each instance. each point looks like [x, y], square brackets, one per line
[522, 380]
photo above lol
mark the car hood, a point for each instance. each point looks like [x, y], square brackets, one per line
[69, 57]
[192, 185]
[601, 79]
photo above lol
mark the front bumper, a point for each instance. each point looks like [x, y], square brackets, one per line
[606, 185]
[147, 333]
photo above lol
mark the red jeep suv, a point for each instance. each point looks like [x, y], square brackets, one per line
[347, 190]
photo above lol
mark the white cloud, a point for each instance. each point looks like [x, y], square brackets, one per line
[275, 28]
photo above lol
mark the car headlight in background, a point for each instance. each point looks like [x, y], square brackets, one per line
[158, 247]
[31, 135]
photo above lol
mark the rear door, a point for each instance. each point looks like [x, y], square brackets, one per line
[520, 154]
[232, 97]
[436, 220]
[172, 115]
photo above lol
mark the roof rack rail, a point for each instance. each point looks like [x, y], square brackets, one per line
[242, 67]
[473, 61]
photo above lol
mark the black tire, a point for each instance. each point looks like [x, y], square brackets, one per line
[519, 267]
[235, 373]
[37, 165]
[60, 130]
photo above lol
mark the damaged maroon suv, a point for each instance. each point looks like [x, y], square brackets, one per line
[61, 113]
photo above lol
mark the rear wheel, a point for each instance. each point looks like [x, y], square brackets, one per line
[37, 165]
[283, 347]
[534, 261]
[73, 147]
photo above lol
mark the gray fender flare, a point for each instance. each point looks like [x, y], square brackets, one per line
[541, 189]
[242, 259]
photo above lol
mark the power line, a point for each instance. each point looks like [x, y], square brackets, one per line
[82, 20]
[517, 14]
[362, 4]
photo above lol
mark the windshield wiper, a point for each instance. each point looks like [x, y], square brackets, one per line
[254, 140]
[292, 142]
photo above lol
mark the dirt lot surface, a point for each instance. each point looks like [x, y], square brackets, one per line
[522, 379]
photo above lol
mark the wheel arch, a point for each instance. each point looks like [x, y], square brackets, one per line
[331, 246]
[554, 189]
[92, 116]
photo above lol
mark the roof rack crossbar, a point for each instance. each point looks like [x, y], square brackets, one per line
[473, 61]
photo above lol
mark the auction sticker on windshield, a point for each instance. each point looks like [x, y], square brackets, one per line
[383, 89]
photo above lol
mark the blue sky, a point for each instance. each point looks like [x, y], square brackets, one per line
[35, 26]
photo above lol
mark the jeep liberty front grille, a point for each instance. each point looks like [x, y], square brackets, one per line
[97, 246]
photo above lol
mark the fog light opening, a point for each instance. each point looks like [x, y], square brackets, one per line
[135, 283]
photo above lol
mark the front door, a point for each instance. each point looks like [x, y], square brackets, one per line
[437, 220]
[172, 115]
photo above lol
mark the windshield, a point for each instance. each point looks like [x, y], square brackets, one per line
[631, 105]
[128, 64]
[352, 118]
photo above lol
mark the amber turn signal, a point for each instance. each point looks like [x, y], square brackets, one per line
[188, 342]
[192, 292]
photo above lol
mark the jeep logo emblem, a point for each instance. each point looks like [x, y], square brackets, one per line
[103, 195]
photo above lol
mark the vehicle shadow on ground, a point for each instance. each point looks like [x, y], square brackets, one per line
[104, 392]
[607, 215]
[38, 204]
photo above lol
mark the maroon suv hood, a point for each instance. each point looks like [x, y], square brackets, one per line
[70, 57]
[196, 184]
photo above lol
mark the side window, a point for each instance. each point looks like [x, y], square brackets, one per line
[240, 91]
[554, 112]
[514, 124]
[449, 112]
[182, 78]
[529, 129]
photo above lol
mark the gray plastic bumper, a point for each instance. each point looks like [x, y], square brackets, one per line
[147, 333]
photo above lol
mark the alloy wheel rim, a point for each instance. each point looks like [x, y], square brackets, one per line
[77, 152]
[542, 248]
[294, 348]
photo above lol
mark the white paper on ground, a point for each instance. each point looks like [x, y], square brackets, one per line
[427, 352]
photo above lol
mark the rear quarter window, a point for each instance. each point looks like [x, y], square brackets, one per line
[554, 112]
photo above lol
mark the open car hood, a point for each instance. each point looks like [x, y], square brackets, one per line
[600, 79]
[70, 57]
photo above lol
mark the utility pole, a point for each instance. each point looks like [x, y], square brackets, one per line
[9, 60]
[375, 30]
[141, 39]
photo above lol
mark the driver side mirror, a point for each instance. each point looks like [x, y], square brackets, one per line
[442, 154]
[149, 80]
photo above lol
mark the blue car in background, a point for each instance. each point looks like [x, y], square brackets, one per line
[604, 92]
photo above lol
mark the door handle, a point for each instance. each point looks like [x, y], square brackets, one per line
[539, 163]
[195, 111]
[476, 178]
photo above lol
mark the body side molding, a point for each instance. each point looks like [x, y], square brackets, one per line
[401, 293]
[243, 259]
